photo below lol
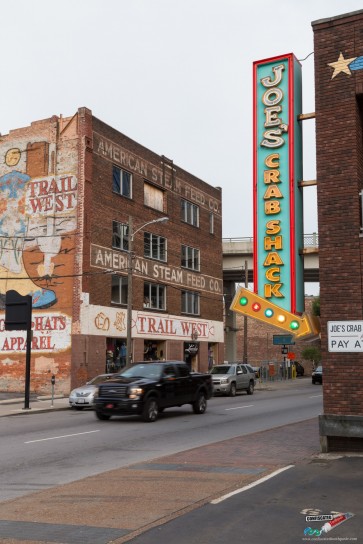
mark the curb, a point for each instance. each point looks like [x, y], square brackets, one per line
[23, 411]
[20, 400]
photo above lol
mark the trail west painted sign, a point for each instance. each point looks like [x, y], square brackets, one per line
[278, 210]
[345, 336]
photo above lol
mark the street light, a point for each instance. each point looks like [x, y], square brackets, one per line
[130, 278]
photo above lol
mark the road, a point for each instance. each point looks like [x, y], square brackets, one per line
[45, 450]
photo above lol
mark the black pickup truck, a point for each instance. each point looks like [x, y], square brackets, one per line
[147, 388]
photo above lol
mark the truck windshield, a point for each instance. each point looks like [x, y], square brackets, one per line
[222, 369]
[152, 370]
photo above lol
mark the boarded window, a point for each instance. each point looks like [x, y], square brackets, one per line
[153, 197]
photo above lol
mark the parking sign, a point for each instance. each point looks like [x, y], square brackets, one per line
[345, 336]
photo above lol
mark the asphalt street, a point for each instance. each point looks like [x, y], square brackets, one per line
[202, 495]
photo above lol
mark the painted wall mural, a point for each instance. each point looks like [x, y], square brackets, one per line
[35, 216]
[38, 221]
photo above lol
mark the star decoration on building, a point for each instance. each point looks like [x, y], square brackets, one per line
[341, 65]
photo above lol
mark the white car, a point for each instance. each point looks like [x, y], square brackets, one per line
[84, 396]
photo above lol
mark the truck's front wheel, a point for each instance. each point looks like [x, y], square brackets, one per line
[151, 410]
[200, 403]
[101, 416]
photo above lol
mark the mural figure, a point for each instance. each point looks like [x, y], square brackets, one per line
[13, 230]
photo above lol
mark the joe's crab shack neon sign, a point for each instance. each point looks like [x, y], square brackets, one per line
[278, 206]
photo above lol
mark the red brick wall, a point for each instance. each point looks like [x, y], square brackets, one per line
[107, 206]
[47, 153]
[339, 178]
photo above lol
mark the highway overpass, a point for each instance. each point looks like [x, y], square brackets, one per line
[236, 251]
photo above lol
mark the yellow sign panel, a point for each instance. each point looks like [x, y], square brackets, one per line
[248, 303]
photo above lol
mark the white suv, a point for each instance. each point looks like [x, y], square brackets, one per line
[232, 377]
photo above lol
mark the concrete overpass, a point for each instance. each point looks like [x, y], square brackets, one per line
[236, 251]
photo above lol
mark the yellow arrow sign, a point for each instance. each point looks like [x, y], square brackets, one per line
[248, 303]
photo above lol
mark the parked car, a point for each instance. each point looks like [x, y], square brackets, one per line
[147, 388]
[84, 396]
[229, 378]
[317, 375]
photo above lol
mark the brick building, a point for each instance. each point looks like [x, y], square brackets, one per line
[338, 50]
[71, 191]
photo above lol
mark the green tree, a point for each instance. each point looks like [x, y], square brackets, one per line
[316, 306]
[312, 353]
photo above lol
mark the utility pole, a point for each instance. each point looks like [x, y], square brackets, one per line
[245, 319]
[129, 293]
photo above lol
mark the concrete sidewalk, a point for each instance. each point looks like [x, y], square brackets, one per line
[15, 406]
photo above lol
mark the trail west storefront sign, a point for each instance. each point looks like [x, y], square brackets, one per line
[278, 211]
[105, 321]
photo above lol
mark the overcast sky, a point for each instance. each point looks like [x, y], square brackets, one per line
[174, 75]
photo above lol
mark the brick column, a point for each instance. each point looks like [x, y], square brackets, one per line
[339, 107]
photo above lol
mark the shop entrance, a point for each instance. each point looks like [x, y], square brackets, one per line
[191, 355]
[154, 351]
[115, 355]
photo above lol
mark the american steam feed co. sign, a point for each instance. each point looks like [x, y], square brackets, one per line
[278, 206]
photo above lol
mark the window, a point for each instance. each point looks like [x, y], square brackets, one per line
[183, 371]
[189, 213]
[154, 246]
[190, 302]
[154, 296]
[119, 290]
[122, 182]
[153, 197]
[190, 258]
[169, 371]
[211, 223]
[120, 235]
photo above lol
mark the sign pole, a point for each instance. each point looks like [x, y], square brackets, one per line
[18, 317]
[27, 365]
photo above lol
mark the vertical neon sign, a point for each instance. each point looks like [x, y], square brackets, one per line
[277, 169]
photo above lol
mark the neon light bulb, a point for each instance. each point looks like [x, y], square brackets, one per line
[294, 325]
[281, 318]
[256, 307]
[269, 312]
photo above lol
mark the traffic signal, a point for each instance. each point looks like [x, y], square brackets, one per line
[248, 303]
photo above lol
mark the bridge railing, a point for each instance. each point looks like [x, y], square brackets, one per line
[310, 240]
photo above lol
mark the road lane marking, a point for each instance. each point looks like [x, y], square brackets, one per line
[239, 407]
[63, 436]
[253, 484]
[315, 396]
